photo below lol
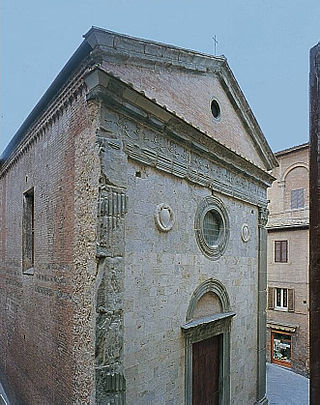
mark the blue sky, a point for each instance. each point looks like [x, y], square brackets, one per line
[266, 43]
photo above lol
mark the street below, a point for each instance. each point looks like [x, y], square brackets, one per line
[284, 387]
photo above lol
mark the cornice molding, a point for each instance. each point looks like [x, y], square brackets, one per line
[196, 147]
[118, 48]
[73, 89]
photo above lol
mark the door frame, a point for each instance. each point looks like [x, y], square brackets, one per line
[218, 367]
[205, 328]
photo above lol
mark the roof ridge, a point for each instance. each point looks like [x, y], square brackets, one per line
[291, 149]
[151, 41]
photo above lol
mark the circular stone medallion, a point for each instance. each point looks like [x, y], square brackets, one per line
[245, 233]
[164, 217]
[211, 227]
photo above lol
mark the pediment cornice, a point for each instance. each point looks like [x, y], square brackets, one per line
[125, 100]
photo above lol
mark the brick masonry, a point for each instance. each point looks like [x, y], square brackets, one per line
[41, 313]
[292, 173]
[100, 319]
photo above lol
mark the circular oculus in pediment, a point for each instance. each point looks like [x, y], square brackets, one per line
[215, 109]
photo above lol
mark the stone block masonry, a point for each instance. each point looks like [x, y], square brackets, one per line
[143, 233]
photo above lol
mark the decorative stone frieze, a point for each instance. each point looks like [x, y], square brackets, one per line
[263, 217]
[112, 208]
[167, 153]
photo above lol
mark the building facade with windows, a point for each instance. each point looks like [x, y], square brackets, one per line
[288, 261]
[133, 241]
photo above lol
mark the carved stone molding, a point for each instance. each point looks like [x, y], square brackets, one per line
[263, 217]
[195, 163]
[216, 207]
[211, 285]
[205, 328]
[245, 233]
[112, 209]
[164, 217]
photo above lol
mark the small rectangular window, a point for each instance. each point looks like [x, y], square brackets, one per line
[28, 232]
[281, 299]
[297, 198]
[281, 251]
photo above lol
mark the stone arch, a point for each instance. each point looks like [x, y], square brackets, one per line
[213, 286]
[295, 177]
[292, 167]
[203, 328]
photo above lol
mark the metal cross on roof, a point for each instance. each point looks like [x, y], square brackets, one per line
[215, 45]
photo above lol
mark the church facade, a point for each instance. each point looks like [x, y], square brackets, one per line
[133, 240]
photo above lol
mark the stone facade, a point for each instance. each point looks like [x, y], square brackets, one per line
[123, 173]
[289, 223]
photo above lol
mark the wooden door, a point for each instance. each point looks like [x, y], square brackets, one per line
[205, 371]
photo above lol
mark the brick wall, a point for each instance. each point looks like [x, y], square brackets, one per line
[39, 311]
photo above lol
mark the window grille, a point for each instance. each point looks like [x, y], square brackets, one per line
[297, 198]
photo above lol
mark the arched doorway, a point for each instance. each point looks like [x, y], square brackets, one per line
[207, 334]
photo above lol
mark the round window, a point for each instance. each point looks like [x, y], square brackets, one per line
[212, 227]
[215, 109]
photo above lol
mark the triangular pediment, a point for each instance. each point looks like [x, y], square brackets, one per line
[186, 82]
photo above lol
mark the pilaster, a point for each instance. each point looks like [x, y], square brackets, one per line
[110, 252]
[261, 322]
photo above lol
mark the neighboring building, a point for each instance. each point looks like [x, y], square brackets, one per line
[288, 261]
[314, 242]
[133, 240]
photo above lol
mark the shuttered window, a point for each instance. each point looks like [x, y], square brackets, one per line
[281, 251]
[281, 299]
[297, 198]
[271, 292]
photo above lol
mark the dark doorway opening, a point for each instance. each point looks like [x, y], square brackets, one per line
[206, 371]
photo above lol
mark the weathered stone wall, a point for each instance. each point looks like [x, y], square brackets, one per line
[162, 271]
[145, 284]
[47, 335]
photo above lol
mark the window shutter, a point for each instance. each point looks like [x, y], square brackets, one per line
[281, 251]
[291, 300]
[284, 251]
[277, 251]
[271, 298]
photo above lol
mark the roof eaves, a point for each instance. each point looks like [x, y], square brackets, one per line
[82, 51]
[292, 149]
[170, 111]
[256, 132]
[97, 36]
